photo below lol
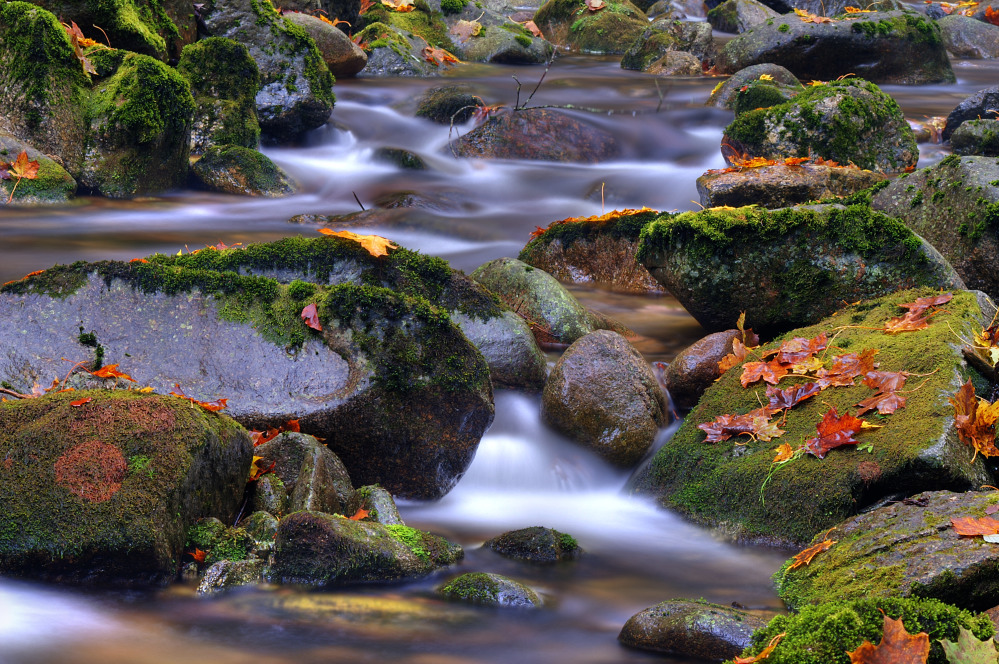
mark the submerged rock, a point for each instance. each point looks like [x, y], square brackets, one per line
[734, 486]
[322, 550]
[232, 169]
[102, 493]
[535, 545]
[691, 628]
[785, 267]
[227, 574]
[781, 185]
[490, 590]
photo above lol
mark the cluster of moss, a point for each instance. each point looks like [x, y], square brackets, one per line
[911, 26]
[423, 22]
[759, 94]
[218, 541]
[415, 539]
[453, 6]
[627, 227]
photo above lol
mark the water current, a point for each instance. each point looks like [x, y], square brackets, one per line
[524, 474]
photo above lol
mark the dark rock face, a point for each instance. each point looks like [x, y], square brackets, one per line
[974, 107]
[976, 137]
[535, 545]
[377, 502]
[602, 394]
[448, 103]
[537, 133]
[685, 628]
[884, 47]
[233, 169]
[322, 550]
[955, 206]
[905, 549]
[666, 36]
[395, 388]
[314, 478]
[720, 484]
[695, 368]
[103, 493]
[490, 590]
[739, 15]
[780, 185]
[785, 267]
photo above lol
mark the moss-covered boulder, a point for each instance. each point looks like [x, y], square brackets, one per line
[824, 634]
[378, 503]
[667, 36]
[102, 493]
[323, 550]
[975, 107]
[691, 628]
[906, 549]
[955, 206]
[602, 394]
[786, 267]
[313, 476]
[393, 51]
[488, 589]
[849, 121]
[600, 250]
[261, 526]
[781, 185]
[695, 368]
[140, 113]
[43, 89]
[482, 34]
[219, 542]
[52, 185]
[965, 37]
[224, 81]
[297, 88]
[541, 134]
[976, 137]
[609, 30]
[393, 386]
[233, 169]
[342, 56]
[445, 104]
[726, 93]
[899, 47]
[500, 335]
[270, 495]
[536, 544]
[734, 485]
[739, 15]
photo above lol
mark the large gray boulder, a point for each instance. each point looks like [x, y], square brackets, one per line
[392, 385]
[739, 15]
[782, 185]
[974, 107]
[691, 628]
[342, 56]
[965, 37]
[610, 30]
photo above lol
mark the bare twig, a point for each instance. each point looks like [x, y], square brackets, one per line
[358, 201]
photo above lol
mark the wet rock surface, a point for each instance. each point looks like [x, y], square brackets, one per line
[695, 368]
[535, 545]
[686, 628]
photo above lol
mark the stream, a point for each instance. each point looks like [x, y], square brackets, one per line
[524, 474]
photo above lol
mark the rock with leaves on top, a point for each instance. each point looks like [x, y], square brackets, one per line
[739, 15]
[726, 93]
[481, 34]
[29, 177]
[591, 26]
[342, 56]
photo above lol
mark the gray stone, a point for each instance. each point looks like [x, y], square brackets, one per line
[689, 628]
[535, 545]
[227, 574]
[490, 589]
[739, 15]
[781, 185]
[314, 477]
[976, 137]
[500, 40]
[666, 36]
[270, 495]
[506, 341]
[966, 37]
[695, 368]
[974, 107]
[379, 504]
[342, 56]
[261, 526]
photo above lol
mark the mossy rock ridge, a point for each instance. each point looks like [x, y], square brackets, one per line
[51, 186]
[976, 137]
[323, 550]
[297, 87]
[955, 206]
[733, 486]
[103, 493]
[488, 589]
[395, 52]
[898, 47]
[725, 94]
[393, 386]
[849, 121]
[571, 24]
[233, 169]
[43, 90]
[502, 337]
[786, 267]
[906, 549]
[140, 114]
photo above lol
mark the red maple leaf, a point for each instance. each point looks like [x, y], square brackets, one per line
[311, 317]
[788, 397]
[834, 431]
[972, 527]
[800, 349]
[886, 403]
[770, 372]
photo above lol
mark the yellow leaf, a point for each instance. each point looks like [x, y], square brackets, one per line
[376, 245]
[784, 453]
[145, 390]
[766, 77]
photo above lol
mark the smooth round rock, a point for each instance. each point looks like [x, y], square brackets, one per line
[490, 590]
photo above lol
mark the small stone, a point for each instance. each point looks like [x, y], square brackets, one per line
[490, 590]
[536, 545]
[227, 574]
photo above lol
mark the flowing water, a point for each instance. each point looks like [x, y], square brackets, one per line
[523, 474]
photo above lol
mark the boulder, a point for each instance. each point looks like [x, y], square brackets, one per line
[297, 88]
[513, 357]
[262, 527]
[344, 10]
[955, 206]
[782, 185]
[394, 51]
[536, 545]
[378, 503]
[666, 36]
[233, 169]
[481, 34]
[724, 95]
[897, 47]
[224, 81]
[825, 633]
[570, 23]
[227, 574]
[43, 98]
[322, 550]
[976, 137]
[342, 56]
[541, 134]
[490, 589]
[102, 493]
[676, 63]
[270, 495]
[734, 485]
[691, 628]
[905, 549]
[785, 267]
[603, 395]
[695, 368]
[52, 185]
[965, 37]
[141, 112]
[393, 386]
[447, 104]
[975, 107]
[315, 479]
[849, 121]
[834, 7]
[739, 15]
[595, 250]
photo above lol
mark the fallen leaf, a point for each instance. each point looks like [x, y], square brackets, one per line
[213, 406]
[138, 260]
[975, 421]
[808, 17]
[198, 555]
[897, 647]
[359, 514]
[257, 470]
[804, 558]
[923, 303]
[770, 372]
[885, 381]
[80, 402]
[834, 431]
[22, 167]
[856, 10]
[595, 5]
[784, 452]
[766, 77]
[991, 16]
[399, 5]
[886, 403]
[465, 30]
[737, 356]
[789, 397]
[260, 437]
[438, 56]
[376, 245]
[968, 649]
[311, 317]
[763, 653]
[111, 371]
[798, 349]
[756, 423]
[533, 29]
[971, 527]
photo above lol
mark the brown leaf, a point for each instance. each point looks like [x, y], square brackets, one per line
[763, 653]
[972, 527]
[924, 303]
[886, 403]
[805, 557]
[438, 56]
[834, 431]
[897, 647]
[770, 372]
[737, 356]
[991, 16]
[886, 381]
[465, 30]
[790, 396]
[23, 168]
[755, 423]
[311, 317]
[799, 349]
[853, 365]
[533, 29]
[975, 421]
[213, 406]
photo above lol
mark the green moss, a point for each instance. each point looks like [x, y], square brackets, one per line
[567, 542]
[140, 463]
[411, 537]
[219, 542]
[567, 232]
[916, 200]
[429, 25]
[824, 634]
[913, 27]
[758, 95]
[90, 339]
[453, 6]
[862, 197]
[523, 40]
[475, 587]
[783, 27]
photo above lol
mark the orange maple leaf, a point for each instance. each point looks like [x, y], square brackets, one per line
[972, 527]
[213, 406]
[359, 514]
[770, 372]
[763, 653]
[975, 421]
[198, 555]
[834, 431]
[311, 317]
[438, 56]
[111, 371]
[755, 423]
[365, 6]
[808, 17]
[80, 402]
[22, 167]
[897, 647]
[784, 452]
[376, 245]
[399, 5]
[991, 15]
[804, 558]
[261, 437]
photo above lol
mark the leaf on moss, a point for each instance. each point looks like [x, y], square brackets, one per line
[975, 421]
[770, 372]
[311, 317]
[213, 406]
[111, 371]
[755, 423]
[804, 558]
[897, 647]
[376, 245]
[763, 653]
[834, 431]
[789, 397]
[969, 650]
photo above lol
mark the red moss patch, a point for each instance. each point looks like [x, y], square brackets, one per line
[92, 470]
